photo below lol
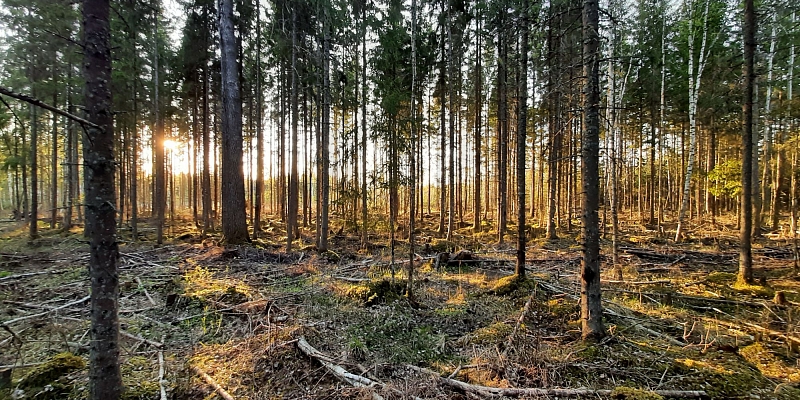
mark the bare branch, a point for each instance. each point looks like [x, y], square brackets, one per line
[41, 104]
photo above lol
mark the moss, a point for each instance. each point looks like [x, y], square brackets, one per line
[52, 370]
[719, 377]
[330, 256]
[442, 246]
[754, 290]
[201, 284]
[768, 363]
[493, 333]
[513, 285]
[142, 390]
[376, 292]
[561, 308]
[721, 278]
[623, 392]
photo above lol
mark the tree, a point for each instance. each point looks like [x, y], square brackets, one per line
[695, 75]
[591, 305]
[746, 234]
[98, 154]
[522, 116]
[234, 220]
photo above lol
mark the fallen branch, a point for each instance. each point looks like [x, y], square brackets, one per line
[656, 282]
[336, 370]
[146, 293]
[534, 392]
[141, 339]
[342, 374]
[70, 304]
[521, 318]
[25, 275]
[211, 382]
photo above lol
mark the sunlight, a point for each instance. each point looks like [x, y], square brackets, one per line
[171, 145]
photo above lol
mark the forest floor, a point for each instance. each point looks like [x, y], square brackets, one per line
[203, 321]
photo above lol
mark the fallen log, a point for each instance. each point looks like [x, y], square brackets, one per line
[516, 392]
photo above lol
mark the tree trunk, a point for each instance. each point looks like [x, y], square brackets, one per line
[72, 158]
[294, 193]
[412, 167]
[522, 136]
[695, 73]
[54, 167]
[259, 132]
[476, 227]
[98, 153]
[33, 232]
[325, 140]
[502, 131]
[745, 252]
[591, 306]
[206, 178]
[160, 189]
[234, 219]
[364, 232]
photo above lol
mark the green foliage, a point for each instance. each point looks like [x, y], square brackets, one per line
[397, 337]
[727, 179]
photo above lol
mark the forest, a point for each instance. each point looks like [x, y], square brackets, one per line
[399, 199]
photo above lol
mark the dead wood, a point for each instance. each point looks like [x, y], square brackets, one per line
[70, 304]
[339, 372]
[211, 382]
[141, 339]
[146, 293]
[25, 275]
[487, 391]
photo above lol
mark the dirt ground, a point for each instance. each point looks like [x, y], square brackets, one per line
[204, 321]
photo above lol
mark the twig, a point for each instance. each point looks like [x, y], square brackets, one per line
[656, 282]
[211, 382]
[39, 103]
[28, 365]
[488, 391]
[25, 275]
[141, 339]
[521, 318]
[70, 304]
[146, 293]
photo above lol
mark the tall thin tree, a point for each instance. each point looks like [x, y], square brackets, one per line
[591, 306]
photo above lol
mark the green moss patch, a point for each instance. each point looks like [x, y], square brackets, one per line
[628, 393]
[52, 370]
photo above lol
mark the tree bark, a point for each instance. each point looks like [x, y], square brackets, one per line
[160, 189]
[98, 154]
[695, 74]
[745, 251]
[294, 193]
[476, 228]
[325, 140]
[591, 305]
[33, 232]
[234, 220]
[522, 136]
